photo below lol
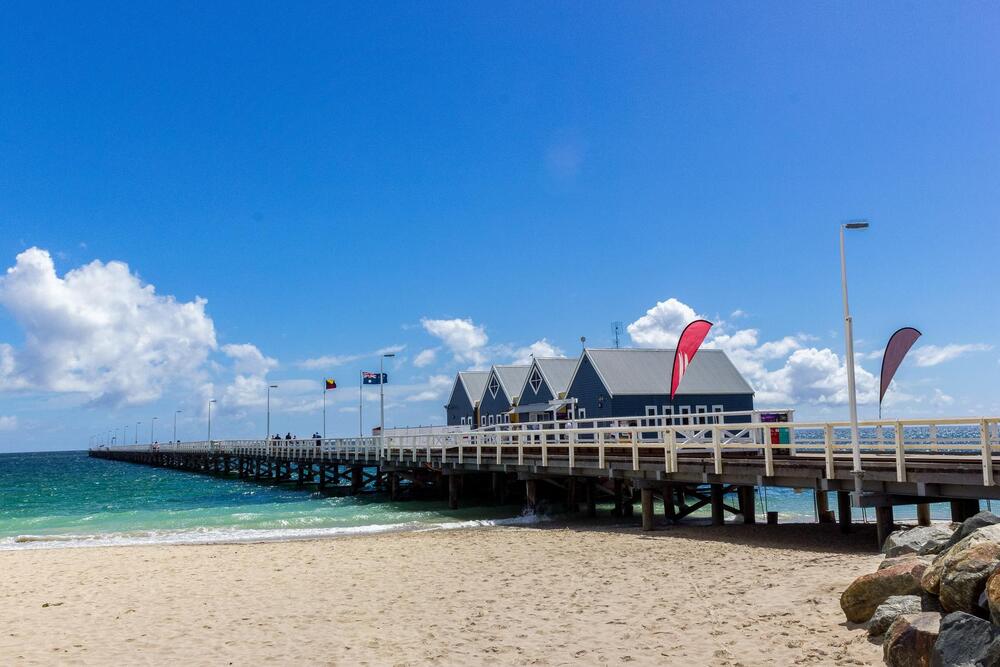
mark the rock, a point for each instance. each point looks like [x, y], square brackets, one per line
[971, 525]
[932, 577]
[887, 612]
[993, 596]
[921, 540]
[964, 639]
[909, 641]
[896, 560]
[867, 592]
[964, 576]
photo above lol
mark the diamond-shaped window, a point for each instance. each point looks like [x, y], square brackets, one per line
[535, 381]
[494, 386]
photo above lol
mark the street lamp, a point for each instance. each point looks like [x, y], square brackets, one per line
[176, 412]
[125, 434]
[269, 388]
[852, 396]
[381, 394]
[137, 424]
[210, 420]
[152, 423]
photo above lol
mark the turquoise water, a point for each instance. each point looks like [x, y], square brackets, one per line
[68, 499]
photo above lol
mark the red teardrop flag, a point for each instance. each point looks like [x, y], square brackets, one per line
[687, 346]
[899, 344]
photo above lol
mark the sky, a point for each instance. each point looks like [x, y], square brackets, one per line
[197, 201]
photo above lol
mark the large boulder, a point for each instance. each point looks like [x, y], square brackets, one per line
[909, 641]
[887, 612]
[922, 540]
[993, 596]
[946, 559]
[896, 560]
[867, 592]
[964, 576]
[964, 639]
[971, 525]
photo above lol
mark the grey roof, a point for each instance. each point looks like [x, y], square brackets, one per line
[474, 383]
[511, 379]
[557, 372]
[643, 371]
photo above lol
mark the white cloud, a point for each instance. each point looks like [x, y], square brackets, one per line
[932, 355]
[662, 324]
[100, 331]
[334, 360]
[540, 348]
[425, 357]
[8, 423]
[433, 390]
[463, 338]
[248, 360]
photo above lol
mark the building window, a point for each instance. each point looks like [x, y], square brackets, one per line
[684, 410]
[535, 381]
[494, 386]
[717, 419]
[581, 413]
[668, 411]
[701, 410]
[463, 421]
[482, 420]
[491, 420]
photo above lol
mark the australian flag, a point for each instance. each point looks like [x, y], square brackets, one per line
[374, 378]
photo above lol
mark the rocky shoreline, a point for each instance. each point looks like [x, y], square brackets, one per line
[935, 599]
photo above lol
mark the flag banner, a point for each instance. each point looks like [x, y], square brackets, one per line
[373, 378]
[687, 346]
[331, 384]
[897, 347]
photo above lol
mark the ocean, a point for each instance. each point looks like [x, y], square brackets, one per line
[66, 499]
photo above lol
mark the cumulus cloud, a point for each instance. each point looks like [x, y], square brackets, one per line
[249, 386]
[8, 423]
[248, 360]
[465, 339]
[540, 348]
[425, 357]
[932, 355]
[334, 360]
[99, 331]
[436, 387]
[662, 324]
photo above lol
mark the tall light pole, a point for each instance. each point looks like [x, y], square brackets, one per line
[210, 420]
[381, 393]
[269, 388]
[137, 425]
[176, 412]
[152, 423]
[125, 434]
[852, 396]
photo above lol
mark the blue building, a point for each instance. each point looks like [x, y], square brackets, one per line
[501, 393]
[543, 395]
[463, 405]
[636, 382]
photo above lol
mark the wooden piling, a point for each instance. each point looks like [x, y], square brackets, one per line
[963, 509]
[617, 490]
[453, 483]
[844, 511]
[393, 486]
[924, 514]
[669, 511]
[718, 511]
[822, 506]
[531, 493]
[883, 522]
[591, 492]
[647, 509]
[748, 506]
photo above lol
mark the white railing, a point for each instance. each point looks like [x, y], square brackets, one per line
[645, 445]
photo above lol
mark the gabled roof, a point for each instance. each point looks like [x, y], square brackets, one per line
[556, 372]
[644, 371]
[511, 380]
[473, 383]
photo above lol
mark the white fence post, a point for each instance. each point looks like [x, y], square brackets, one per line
[900, 453]
[984, 437]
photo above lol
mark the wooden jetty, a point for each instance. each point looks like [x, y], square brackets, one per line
[681, 467]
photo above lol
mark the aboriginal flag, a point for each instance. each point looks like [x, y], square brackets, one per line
[331, 384]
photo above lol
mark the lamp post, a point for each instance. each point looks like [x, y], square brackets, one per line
[137, 425]
[152, 423]
[176, 412]
[381, 394]
[269, 388]
[210, 420]
[125, 434]
[852, 396]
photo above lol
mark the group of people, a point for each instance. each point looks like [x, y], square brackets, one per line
[288, 436]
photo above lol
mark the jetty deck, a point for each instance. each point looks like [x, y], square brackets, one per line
[686, 467]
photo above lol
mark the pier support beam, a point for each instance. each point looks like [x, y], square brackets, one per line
[718, 512]
[669, 511]
[883, 522]
[844, 511]
[531, 493]
[963, 509]
[393, 486]
[748, 508]
[453, 488]
[571, 503]
[822, 506]
[924, 514]
[499, 487]
[647, 509]
[357, 478]
[628, 500]
[617, 486]
[591, 493]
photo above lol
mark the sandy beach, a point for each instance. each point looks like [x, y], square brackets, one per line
[558, 594]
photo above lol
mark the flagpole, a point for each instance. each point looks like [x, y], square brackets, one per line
[324, 409]
[361, 404]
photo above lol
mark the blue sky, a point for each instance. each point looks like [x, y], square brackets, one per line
[475, 180]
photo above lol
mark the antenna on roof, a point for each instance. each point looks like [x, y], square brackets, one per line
[617, 326]
[583, 342]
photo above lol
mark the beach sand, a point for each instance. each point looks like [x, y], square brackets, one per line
[580, 593]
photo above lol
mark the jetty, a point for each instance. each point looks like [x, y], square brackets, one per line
[679, 467]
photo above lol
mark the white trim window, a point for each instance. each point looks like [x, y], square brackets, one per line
[668, 412]
[463, 421]
[651, 412]
[494, 386]
[482, 420]
[535, 381]
[581, 413]
[685, 410]
[717, 419]
[701, 410]
[491, 421]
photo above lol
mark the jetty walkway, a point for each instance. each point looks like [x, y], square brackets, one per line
[684, 467]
